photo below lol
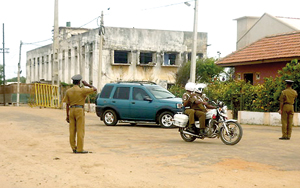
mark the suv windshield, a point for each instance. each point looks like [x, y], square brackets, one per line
[160, 93]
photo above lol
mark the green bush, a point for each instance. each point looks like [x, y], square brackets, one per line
[239, 94]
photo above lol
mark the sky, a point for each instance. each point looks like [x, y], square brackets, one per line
[31, 21]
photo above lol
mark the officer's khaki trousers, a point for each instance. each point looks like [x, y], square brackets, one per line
[191, 114]
[77, 120]
[287, 120]
[201, 116]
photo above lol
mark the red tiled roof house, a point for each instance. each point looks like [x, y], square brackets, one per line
[264, 57]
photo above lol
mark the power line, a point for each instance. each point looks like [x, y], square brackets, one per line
[163, 6]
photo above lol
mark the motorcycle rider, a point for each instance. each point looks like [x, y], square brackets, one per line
[200, 106]
[189, 88]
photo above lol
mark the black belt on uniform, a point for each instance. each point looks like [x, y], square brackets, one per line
[76, 106]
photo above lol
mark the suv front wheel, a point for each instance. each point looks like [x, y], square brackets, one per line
[110, 118]
[165, 119]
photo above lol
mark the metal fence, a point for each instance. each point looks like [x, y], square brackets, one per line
[45, 95]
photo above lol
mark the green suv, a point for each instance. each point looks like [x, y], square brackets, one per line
[135, 102]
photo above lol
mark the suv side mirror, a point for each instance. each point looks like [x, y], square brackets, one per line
[147, 98]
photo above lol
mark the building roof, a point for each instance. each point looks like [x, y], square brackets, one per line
[285, 45]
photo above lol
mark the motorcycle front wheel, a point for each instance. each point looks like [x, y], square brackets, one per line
[234, 134]
[186, 137]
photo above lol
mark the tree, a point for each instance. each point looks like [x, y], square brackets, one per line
[15, 79]
[1, 74]
[206, 71]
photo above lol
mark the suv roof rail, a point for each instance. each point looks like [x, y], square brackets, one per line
[138, 82]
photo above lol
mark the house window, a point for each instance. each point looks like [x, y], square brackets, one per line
[121, 57]
[257, 76]
[239, 77]
[146, 57]
[248, 77]
[170, 58]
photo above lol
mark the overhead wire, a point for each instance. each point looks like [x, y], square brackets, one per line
[163, 6]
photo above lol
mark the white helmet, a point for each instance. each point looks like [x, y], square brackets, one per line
[190, 86]
[199, 88]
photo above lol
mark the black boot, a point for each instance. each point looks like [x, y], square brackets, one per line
[191, 130]
[202, 131]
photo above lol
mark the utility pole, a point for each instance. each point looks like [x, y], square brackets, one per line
[101, 33]
[19, 69]
[55, 46]
[4, 51]
[194, 49]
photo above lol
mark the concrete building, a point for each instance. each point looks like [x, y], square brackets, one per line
[127, 54]
[251, 29]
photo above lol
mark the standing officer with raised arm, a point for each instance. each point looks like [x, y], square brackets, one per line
[75, 99]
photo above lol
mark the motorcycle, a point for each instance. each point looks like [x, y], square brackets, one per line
[217, 125]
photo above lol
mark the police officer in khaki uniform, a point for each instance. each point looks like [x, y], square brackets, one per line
[75, 99]
[189, 87]
[287, 99]
[200, 111]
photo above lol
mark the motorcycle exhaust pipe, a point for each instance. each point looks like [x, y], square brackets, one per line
[191, 134]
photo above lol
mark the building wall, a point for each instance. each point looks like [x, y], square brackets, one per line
[259, 71]
[265, 26]
[79, 54]
[244, 24]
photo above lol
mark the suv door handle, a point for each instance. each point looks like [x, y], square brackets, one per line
[132, 102]
[113, 101]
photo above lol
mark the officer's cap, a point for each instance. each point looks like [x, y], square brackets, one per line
[77, 77]
[289, 81]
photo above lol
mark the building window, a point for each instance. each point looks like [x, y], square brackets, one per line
[121, 57]
[146, 57]
[169, 85]
[69, 53]
[239, 77]
[63, 54]
[170, 58]
[257, 76]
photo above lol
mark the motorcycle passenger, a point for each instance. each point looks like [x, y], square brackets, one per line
[189, 88]
[202, 97]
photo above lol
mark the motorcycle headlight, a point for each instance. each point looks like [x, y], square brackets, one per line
[179, 105]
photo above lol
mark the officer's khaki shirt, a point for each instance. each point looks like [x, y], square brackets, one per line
[186, 99]
[76, 95]
[195, 106]
[288, 96]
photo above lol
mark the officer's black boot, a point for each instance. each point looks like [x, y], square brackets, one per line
[202, 131]
[191, 129]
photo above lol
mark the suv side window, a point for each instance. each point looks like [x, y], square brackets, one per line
[122, 93]
[106, 91]
[138, 94]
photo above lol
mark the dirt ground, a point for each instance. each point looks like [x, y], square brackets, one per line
[35, 152]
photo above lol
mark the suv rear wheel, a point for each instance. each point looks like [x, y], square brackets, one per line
[110, 118]
[165, 119]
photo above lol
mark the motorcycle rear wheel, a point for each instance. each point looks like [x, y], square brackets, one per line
[234, 135]
[185, 137]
